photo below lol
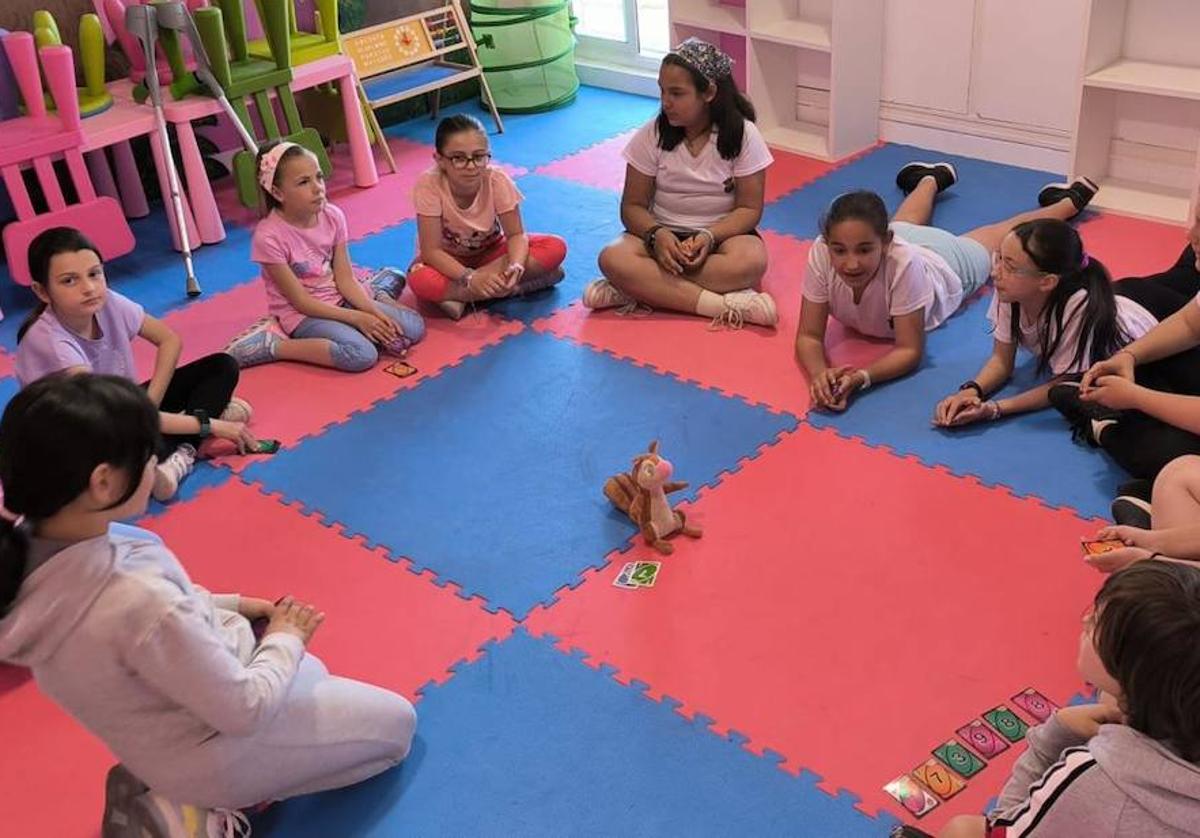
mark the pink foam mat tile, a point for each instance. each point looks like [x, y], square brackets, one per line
[369, 210]
[53, 770]
[848, 609]
[600, 166]
[384, 623]
[7, 364]
[1132, 246]
[207, 325]
[755, 363]
[791, 171]
[292, 401]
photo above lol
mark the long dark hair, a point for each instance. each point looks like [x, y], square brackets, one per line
[45, 246]
[1147, 622]
[859, 205]
[1056, 248]
[52, 436]
[728, 110]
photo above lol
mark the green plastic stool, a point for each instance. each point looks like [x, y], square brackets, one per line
[94, 97]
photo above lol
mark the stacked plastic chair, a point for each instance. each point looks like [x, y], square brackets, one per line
[34, 140]
[305, 46]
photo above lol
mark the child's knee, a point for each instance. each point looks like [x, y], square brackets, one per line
[1180, 471]
[612, 262]
[549, 252]
[428, 284]
[355, 355]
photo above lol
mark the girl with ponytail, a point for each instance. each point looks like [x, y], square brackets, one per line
[1055, 301]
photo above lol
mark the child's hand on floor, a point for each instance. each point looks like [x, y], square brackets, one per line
[235, 432]
[1084, 720]
[293, 617]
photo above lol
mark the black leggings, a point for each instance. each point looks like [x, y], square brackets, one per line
[1141, 444]
[205, 384]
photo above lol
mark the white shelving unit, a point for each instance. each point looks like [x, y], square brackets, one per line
[1138, 126]
[812, 67]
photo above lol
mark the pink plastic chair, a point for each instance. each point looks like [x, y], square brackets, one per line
[36, 140]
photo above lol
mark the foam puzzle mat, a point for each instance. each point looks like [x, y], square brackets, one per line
[865, 585]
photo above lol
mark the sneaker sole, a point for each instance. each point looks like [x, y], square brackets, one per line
[939, 165]
[1065, 188]
[770, 303]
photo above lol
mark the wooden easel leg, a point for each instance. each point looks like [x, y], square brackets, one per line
[373, 121]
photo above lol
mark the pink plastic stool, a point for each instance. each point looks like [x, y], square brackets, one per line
[36, 139]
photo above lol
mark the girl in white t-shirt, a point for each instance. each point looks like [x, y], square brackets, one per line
[1057, 302]
[898, 280]
[693, 196]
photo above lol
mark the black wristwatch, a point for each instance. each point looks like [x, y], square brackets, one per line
[205, 425]
[648, 238]
[973, 385]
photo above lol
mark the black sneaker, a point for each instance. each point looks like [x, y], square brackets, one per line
[910, 175]
[1080, 191]
[1080, 414]
[1131, 512]
[1141, 489]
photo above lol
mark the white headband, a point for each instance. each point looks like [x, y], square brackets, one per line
[270, 162]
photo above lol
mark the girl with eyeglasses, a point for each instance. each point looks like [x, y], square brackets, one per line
[471, 243]
[898, 278]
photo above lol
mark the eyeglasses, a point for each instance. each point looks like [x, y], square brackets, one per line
[460, 161]
[999, 263]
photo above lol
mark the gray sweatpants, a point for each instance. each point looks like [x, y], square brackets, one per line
[331, 732]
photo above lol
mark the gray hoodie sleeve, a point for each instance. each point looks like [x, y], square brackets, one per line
[184, 657]
[1046, 741]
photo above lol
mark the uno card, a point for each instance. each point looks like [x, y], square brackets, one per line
[939, 779]
[1099, 548]
[624, 579]
[645, 574]
[267, 446]
[963, 762]
[909, 793]
[1035, 704]
[1007, 723]
[982, 738]
[401, 369]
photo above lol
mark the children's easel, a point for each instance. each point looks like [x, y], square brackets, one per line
[406, 57]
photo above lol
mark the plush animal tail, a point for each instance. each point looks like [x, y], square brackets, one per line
[620, 490]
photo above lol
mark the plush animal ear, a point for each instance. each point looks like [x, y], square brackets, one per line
[654, 447]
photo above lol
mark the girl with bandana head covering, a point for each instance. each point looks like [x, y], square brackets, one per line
[693, 196]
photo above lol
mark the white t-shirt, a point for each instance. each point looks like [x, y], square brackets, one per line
[1134, 320]
[694, 191]
[910, 278]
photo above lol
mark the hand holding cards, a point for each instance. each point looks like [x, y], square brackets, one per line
[635, 575]
[1099, 548]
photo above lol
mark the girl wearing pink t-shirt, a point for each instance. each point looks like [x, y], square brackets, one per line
[471, 244]
[328, 316]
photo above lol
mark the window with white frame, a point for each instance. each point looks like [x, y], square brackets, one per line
[632, 32]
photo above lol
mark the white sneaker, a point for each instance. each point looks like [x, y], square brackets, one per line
[600, 293]
[256, 345]
[158, 817]
[749, 306]
[171, 471]
[238, 410]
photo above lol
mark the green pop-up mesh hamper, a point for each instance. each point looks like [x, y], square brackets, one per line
[527, 53]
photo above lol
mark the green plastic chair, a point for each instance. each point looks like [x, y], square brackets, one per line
[245, 78]
[305, 46]
[94, 97]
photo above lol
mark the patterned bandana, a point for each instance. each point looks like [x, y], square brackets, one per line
[711, 63]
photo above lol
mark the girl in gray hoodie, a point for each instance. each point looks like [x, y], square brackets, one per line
[1126, 767]
[204, 719]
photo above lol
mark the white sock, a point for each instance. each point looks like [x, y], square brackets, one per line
[710, 303]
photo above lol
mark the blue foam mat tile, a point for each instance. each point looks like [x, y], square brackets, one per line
[985, 193]
[490, 474]
[528, 741]
[594, 116]
[9, 387]
[153, 274]
[592, 222]
[1031, 454]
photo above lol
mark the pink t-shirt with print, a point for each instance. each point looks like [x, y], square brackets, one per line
[308, 251]
[467, 231]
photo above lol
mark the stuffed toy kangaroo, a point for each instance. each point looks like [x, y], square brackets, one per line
[642, 495]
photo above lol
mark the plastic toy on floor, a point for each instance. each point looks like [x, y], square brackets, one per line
[642, 495]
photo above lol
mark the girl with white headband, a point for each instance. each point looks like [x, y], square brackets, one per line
[328, 316]
[693, 197]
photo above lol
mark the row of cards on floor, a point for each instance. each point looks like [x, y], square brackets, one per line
[944, 774]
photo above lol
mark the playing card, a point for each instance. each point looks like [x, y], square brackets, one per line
[962, 761]
[1099, 548]
[909, 793]
[1035, 704]
[400, 369]
[645, 574]
[982, 738]
[939, 779]
[624, 579]
[1007, 723]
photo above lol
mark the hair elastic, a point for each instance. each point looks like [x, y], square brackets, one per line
[1085, 261]
[270, 162]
